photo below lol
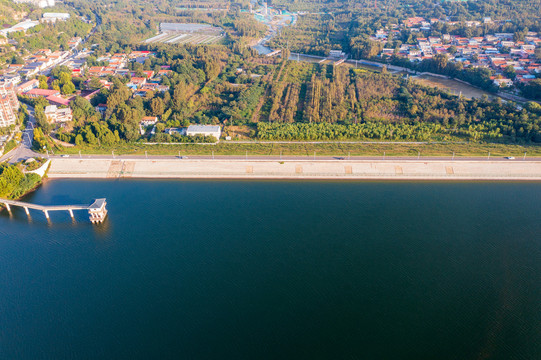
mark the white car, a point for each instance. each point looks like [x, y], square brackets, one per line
[510, 157]
[65, 156]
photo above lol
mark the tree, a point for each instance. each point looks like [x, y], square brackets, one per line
[17, 60]
[212, 69]
[43, 82]
[68, 88]
[94, 83]
[532, 90]
[79, 140]
[64, 78]
[440, 60]
[60, 69]
[179, 95]
[56, 85]
[510, 72]
[157, 106]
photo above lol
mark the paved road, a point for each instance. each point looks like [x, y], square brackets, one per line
[24, 150]
[292, 158]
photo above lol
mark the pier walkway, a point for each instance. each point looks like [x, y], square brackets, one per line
[96, 209]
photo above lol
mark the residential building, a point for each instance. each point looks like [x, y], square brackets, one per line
[57, 115]
[8, 90]
[27, 86]
[11, 78]
[8, 115]
[146, 122]
[9, 104]
[101, 108]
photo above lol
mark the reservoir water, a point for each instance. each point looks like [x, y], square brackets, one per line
[275, 270]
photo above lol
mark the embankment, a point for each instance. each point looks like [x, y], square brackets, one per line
[298, 169]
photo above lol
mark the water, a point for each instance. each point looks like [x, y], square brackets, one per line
[275, 270]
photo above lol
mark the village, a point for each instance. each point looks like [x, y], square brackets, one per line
[513, 61]
[58, 113]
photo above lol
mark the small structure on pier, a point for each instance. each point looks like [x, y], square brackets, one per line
[96, 211]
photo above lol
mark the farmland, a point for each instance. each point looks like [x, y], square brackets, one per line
[195, 34]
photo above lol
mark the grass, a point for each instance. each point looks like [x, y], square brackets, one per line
[304, 149]
[10, 145]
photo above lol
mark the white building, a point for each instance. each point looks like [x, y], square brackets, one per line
[503, 82]
[206, 130]
[28, 85]
[336, 54]
[146, 122]
[56, 115]
[54, 17]
[38, 3]
[11, 79]
[22, 26]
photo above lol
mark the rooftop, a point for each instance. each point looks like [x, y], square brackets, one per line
[204, 128]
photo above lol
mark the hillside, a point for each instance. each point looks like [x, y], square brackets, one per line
[11, 12]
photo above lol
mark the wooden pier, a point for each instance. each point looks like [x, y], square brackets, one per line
[96, 211]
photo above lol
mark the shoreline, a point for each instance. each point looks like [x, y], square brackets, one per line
[404, 170]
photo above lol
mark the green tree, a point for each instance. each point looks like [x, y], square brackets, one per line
[68, 88]
[157, 106]
[43, 82]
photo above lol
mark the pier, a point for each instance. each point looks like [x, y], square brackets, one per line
[96, 210]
